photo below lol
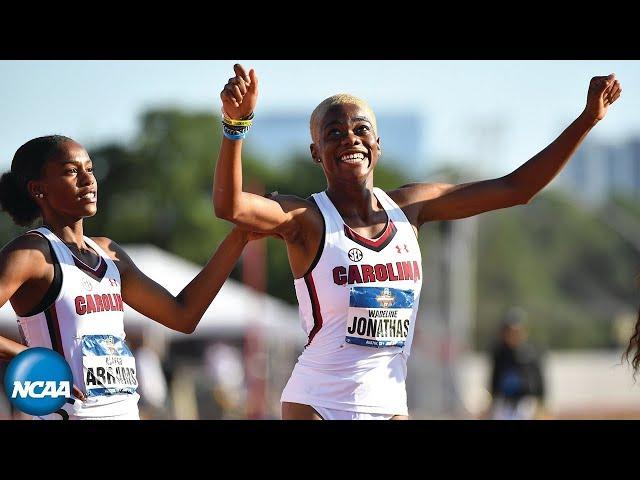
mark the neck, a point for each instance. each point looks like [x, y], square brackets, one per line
[69, 231]
[353, 199]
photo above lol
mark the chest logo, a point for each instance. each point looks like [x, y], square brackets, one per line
[86, 283]
[355, 255]
[399, 248]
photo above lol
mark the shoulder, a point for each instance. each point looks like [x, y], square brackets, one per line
[408, 194]
[306, 218]
[31, 245]
[27, 255]
[529, 352]
[292, 202]
[111, 248]
[116, 253]
[106, 244]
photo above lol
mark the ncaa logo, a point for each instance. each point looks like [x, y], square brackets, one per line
[38, 381]
[355, 255]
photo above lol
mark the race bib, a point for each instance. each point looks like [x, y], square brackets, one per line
[379, 317]
[108, 365]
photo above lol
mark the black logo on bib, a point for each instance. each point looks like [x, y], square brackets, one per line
[355, 255]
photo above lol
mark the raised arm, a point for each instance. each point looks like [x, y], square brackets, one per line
[247, 210]
[437, 201]
[184, 311]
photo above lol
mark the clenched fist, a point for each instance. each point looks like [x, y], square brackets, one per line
[240, 94]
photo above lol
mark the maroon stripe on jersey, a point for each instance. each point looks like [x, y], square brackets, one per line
[379, 243]
[315, 307]
[322, 239]
[53, 324]
[95, 273]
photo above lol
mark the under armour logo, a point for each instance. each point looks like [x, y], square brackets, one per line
[399, 249]
[113, 282]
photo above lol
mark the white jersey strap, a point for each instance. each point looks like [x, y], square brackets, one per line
[332, 218]
[394, 212]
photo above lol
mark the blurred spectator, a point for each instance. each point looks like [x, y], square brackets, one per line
[517, 381]
[152, 382]
[225, 368]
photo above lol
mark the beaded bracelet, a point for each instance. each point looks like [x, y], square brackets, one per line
[233, 134]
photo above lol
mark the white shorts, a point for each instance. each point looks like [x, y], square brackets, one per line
[76, 410]
[332, 414]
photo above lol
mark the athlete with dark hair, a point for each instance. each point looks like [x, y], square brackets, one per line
[69, 290]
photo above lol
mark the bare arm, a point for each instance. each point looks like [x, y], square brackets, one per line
[184, 311]
[22, 260]
[247, 210]
[9, 349]
[438, 201]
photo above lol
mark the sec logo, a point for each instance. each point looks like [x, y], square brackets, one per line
[355, 255]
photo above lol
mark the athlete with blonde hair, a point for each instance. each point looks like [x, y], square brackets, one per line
[353, 248]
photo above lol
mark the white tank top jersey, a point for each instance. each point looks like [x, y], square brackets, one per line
[358, 306]
[85, 325]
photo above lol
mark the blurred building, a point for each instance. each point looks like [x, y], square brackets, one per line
[599, 170]
[279, 135]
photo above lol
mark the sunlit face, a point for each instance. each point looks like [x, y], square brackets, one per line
[347, 146]
[69, 186]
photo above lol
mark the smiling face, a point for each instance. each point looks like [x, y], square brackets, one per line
[346, 143]
[68, 185]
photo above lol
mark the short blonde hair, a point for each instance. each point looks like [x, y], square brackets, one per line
[339, 99]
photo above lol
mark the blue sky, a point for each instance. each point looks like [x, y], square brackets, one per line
[496, 114]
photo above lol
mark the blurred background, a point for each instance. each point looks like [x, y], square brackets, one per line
[525, 312]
